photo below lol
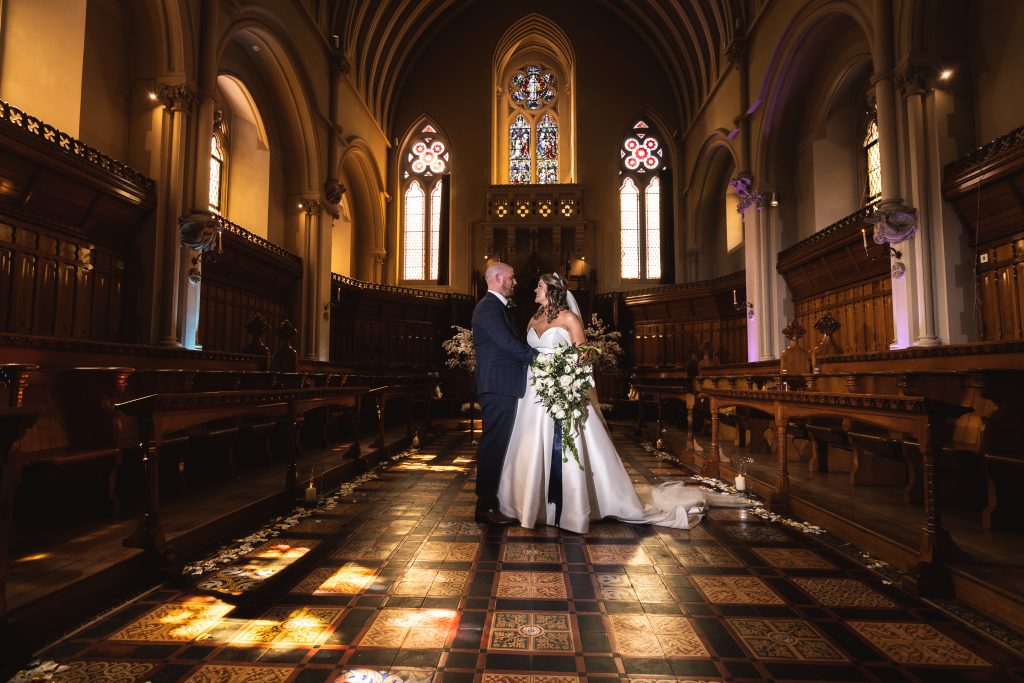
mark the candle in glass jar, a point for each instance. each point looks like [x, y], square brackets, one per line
[311, 493]
[741, 482]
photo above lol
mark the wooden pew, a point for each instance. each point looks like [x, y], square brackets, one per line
[930, 422]
[410, 394]
[15, 421]
[161, 416]
[77, 429]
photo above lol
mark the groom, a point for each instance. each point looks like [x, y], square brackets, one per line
[501, 360]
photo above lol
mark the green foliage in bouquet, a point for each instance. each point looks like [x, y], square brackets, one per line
[459, 348]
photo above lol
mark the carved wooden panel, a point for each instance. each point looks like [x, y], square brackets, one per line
[1002, 293]
[669, 343]
[863, 310]
[251, 276]
[53, 284]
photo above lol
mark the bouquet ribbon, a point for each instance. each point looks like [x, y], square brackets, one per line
[555, 475]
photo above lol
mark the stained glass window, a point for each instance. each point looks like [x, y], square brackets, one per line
[652, 211]
[873, 157]
[547, 150]
[519, 151]
[435, 228]
[414, 247]
[216, 173]
[532, 87]
[426, 160]
[629, 203]
[642, 160]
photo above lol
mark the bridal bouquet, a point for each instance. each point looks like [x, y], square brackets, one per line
[562, 381]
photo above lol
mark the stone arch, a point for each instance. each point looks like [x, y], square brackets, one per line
[534, 36]
[365, 189]
[716, 163]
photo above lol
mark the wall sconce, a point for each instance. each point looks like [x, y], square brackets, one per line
[775, 200]
[898, 269]
[946, 74]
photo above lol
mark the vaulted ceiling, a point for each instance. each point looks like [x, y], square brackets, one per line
[690, 37]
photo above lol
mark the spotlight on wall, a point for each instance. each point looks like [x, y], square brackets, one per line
[300, 205]
[152, 95]
[945, 74]
[775, 200]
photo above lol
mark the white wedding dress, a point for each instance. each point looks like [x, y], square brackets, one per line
[602, 488]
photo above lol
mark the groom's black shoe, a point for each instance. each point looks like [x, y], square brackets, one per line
[494, 517]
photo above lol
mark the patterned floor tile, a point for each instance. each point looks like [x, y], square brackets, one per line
[291, 549]
[704, 556]
[409, 629]
[440, 551]
[318, 525]
[531, 631]
[911, 643]
[175, 621]
[841, 592]
[699, 533]
[793, 558]
[101, 672]
[457, 529]
[531, 552]
[302, 626]
[785, 639]
[748, 590]
[610, 531]
[539, 532]
[550, 585]
[240, 578]
[528, 678]
[351, 578]
[655, 635]
[617, 554]
[366, 550]
[461, 510]
[643, 587]
[218, 673]
[756, 533]
[432, 583]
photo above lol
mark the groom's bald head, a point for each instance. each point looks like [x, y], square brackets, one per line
[500, 277]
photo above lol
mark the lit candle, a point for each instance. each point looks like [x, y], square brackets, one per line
[220, 241]
[864, 235]
[311, 493]
[734, 297]
[741, 482]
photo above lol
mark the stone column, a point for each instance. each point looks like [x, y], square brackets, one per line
[198, 199]
[170, 282]
[891, 203]
[913, 82]
[316, 280]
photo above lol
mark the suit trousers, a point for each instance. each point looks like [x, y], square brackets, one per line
[498, 415]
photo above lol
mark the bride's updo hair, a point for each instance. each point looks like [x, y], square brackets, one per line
[556, 294]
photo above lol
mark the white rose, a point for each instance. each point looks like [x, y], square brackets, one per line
[565, 380]
[577, 413]
[559, 413]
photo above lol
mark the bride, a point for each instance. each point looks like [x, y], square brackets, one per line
[529, 488]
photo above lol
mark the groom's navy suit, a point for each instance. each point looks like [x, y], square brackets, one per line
[501, 360]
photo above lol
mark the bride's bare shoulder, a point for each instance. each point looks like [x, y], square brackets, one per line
[567, 318]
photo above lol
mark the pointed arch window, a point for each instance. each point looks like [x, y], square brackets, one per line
[643, 210]
[425, 179]
[872, 161]
[532, 95]
[216, 173]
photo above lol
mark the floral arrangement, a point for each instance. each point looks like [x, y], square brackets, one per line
[562, 381]
[606, 341]
[459, 348]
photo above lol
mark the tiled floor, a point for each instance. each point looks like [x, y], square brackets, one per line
[403, 580]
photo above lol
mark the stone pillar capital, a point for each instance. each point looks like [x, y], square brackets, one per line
[177, 97]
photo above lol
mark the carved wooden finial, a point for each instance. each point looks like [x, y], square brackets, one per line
[827, 326]
[287, 358]
[256, 327]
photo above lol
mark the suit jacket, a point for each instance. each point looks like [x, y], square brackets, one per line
[501, 353]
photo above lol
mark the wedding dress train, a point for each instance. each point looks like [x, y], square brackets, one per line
[602, 488]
